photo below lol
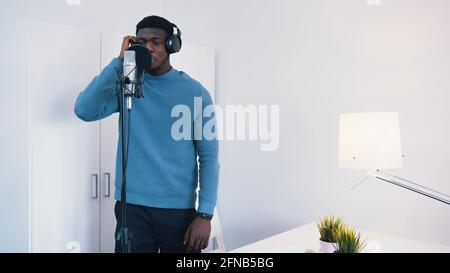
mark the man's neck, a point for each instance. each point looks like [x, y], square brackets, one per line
[161, 70]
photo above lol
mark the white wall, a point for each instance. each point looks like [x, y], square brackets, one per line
[317, 58]
[100, 15]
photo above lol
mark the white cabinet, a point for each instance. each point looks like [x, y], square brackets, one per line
[65, 152]
[199, 63]
[109, 138]
[71, 163]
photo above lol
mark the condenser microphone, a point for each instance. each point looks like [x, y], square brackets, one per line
[137, 59]
[129, 72]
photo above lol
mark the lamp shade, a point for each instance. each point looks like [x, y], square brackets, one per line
[369, 141]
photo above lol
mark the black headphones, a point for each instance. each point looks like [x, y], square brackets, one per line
[173, 42]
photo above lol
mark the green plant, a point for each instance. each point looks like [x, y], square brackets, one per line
[349, 241]
[328, 228]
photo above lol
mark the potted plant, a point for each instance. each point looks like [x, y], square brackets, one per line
[328, 228]
[349, 241]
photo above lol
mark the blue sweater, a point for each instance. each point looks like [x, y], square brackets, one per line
[161, 172]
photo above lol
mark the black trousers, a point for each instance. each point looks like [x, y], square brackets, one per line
[155, 229]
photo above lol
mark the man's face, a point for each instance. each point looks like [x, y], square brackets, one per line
[154, 39]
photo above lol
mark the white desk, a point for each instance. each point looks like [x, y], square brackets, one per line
[306, 239]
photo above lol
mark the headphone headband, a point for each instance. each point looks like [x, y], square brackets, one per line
[178, 31]
[173, 42]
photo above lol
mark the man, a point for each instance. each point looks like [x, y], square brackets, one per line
[161, 171]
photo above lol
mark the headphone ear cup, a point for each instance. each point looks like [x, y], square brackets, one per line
[173, 44]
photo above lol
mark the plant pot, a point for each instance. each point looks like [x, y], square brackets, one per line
[327, 247]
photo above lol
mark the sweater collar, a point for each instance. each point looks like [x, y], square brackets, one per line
[169, 74]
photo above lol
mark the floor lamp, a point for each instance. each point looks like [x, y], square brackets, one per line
[371, 141]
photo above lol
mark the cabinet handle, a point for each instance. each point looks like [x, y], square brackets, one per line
[108, 185]
[94, 186]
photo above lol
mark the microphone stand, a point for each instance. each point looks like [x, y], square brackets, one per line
[122, 84]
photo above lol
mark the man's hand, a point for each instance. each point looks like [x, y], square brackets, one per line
[125, 45]
[197, 234]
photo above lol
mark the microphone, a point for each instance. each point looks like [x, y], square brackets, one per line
[129, 72]
[137, 59]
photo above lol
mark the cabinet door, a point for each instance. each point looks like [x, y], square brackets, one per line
[64, 150]
[109, 137]
[198, 62]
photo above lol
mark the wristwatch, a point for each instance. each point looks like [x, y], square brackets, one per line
[204, 215]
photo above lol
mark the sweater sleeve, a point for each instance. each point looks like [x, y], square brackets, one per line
[99, 99]
[208, 152]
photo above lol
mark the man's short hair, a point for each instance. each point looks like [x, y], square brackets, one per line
[154, 21]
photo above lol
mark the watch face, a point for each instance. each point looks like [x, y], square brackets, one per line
[205, 216]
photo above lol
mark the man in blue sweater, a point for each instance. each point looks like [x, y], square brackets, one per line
[162, 173]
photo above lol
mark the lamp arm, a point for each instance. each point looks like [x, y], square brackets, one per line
[409, 181]
[444, 200]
